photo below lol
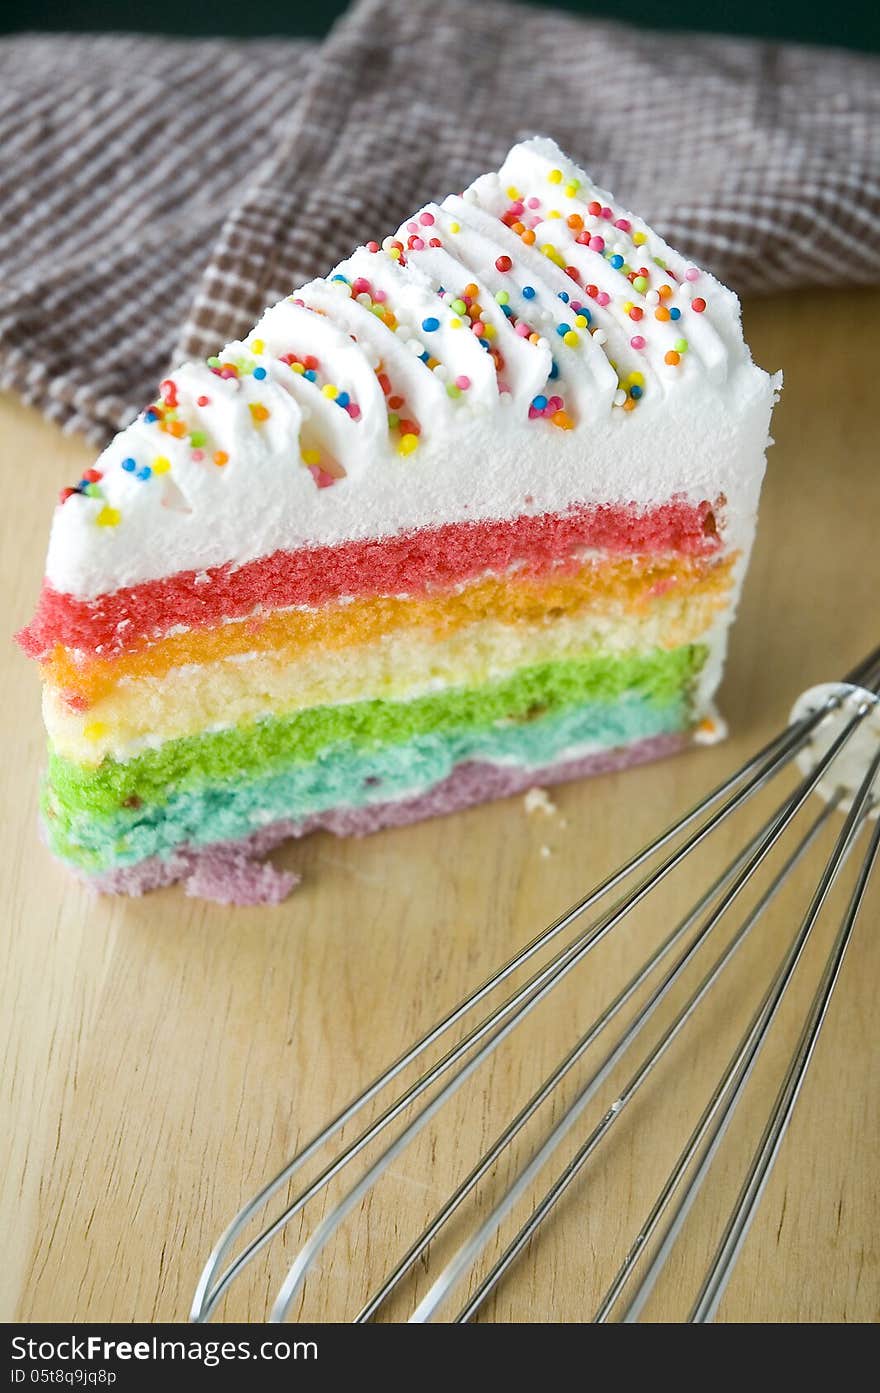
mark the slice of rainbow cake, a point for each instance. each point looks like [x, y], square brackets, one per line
[469, 515]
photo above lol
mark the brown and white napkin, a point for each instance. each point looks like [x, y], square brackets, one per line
[156, 194]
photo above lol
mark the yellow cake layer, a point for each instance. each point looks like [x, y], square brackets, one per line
[398, 665]
[619, 586]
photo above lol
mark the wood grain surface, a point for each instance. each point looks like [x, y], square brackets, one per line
[162, 1057]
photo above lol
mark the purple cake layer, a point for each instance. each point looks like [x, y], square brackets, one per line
[238, 873]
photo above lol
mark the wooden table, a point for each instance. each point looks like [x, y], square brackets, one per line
[164, 1056]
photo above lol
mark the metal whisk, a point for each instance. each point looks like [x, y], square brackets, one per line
[834, 740]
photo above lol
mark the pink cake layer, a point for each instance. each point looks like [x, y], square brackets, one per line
[238, 873]
[407, 564]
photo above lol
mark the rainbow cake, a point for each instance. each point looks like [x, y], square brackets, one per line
[470, 514]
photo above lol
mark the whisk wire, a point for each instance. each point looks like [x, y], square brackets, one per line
[771, 834]
[557, 1190]
[853, 700]
[550, 1083]
[718, 1276]
[209, 1292]
[747, 1056]
[516, 1008]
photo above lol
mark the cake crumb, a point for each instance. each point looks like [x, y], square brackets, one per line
[537, 800]
[545, 852]
[710, 731]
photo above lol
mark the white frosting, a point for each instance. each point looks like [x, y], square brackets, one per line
[699, 429]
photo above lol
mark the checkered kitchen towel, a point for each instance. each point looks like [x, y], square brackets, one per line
[155, 194]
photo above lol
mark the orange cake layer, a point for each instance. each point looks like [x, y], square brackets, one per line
[627, 584]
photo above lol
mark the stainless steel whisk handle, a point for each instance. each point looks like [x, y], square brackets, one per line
[841, 701]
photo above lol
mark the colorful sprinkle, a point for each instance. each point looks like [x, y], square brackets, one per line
[503, 263]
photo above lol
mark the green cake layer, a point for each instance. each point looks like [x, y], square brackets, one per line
[221, 785]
